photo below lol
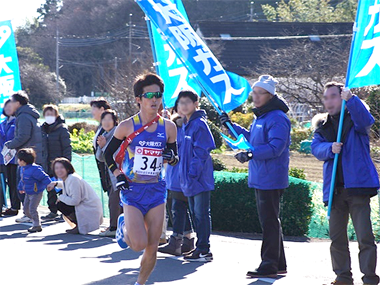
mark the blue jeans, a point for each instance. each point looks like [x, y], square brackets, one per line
[181, 217]
[200, 211]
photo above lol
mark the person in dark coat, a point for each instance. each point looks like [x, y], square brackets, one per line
[356, 180]
[269, 135]
[97, 108]
[56, 142]
[27, 132]
[7, 133]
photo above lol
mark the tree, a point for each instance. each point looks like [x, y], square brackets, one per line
[311, 11]
[37, 80]
[304, 67]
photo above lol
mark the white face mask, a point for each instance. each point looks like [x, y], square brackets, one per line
[50, 120]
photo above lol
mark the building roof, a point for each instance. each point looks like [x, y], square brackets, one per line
[242, 43]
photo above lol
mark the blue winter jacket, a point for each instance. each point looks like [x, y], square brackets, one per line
[33, 179]
[7, 133]
[195, 163]
[269, 134]
[172, 176]
[358, 168]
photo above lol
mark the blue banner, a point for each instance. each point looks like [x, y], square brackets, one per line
[240, 142]
[169, 66]
[364, 63]
[9, 70]
[226, 89]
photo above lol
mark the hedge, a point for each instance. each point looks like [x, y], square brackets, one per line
[233, 205]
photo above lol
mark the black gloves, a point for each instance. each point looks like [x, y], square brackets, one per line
[244, 156]
[168, 154]
[122, 182]
[224, 119]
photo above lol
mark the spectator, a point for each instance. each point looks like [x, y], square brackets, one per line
[269, 135]
[32, 183]
[56, 143]
[97, 108]
[195, 166]
[7, 132]
[79, 204]
[27, 132]
[181, 241]
[109, 121]
[356, 180]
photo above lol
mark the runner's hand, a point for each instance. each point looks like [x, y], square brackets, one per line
[224, 119]
[168, 154]
[122, 182]
[243, 156]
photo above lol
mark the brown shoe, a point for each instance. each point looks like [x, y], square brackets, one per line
[10, 212]
[35, 229]
[259, 274]
[73, 231]
[337, 282]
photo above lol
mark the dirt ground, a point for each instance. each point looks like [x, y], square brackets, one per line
[312, 166]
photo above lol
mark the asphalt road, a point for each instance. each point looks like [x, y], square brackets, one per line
[54, 257]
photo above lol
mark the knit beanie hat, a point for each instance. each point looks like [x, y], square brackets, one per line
[266, 82]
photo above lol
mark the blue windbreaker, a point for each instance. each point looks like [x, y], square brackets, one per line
[33, 179]
[172, 176]
[195, 163]
[358, 168]
[7, 133]
[269, 134]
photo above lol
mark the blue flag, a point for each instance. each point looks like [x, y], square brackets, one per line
[227, 90]
[364, 63]
[9, 71]
[240, 142]
[170, 67]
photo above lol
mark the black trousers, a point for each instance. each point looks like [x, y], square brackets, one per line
[272, 248]
[52, 201]
[68, 211]
[10, 178]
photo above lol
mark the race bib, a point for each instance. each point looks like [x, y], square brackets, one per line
[148, 161]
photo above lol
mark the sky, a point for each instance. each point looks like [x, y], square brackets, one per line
[19, 10]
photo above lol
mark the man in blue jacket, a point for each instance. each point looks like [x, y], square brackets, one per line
[269, 135]
[356, 181]
[197, 173]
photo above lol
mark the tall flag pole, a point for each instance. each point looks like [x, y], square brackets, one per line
[363, 66]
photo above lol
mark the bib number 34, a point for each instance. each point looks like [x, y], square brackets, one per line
[148, 161]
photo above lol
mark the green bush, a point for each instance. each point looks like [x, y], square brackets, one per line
[297, 173]
[238, 170]
[216, 134]
[82, 125]
[82, 142]
[233, 205]
[298, 135]
[218, 164]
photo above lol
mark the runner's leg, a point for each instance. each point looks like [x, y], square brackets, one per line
[153, 221]
[135, 232]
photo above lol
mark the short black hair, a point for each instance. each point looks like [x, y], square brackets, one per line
[5, 104]
[21, 97]
[99, 103]
[147, 79]
[66, 164]
[28, 155]
[188, 94]
[113, 115]
[334, 84]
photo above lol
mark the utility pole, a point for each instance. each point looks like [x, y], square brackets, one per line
[57, 60]
[130, 38]
[251, 14]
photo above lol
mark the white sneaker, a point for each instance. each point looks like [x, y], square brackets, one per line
[23, 219]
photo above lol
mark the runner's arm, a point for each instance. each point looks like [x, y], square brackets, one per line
[171, 143]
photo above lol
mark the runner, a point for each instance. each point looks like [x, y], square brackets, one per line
[149, 140]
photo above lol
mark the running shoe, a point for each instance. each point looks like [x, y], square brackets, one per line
[119, 232]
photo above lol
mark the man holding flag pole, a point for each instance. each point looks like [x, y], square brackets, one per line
[342, 141]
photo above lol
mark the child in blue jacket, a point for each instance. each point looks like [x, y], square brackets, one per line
[197, 173]
[33, 181]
